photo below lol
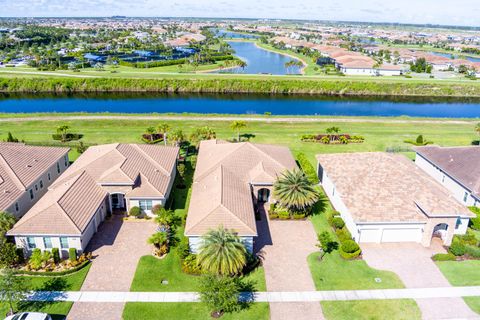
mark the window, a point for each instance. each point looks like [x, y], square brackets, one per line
[17, 208]
[47, 241]
[49, 177]
[36, 188]
[58, 167]
[145, 204]
[41, 184]
[31, 194]
[64, 243]
[31, 243]
[465, 196]
[443, 179]
[458, 223]
[66, 161]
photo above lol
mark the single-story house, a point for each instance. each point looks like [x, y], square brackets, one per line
[456, 168]
[229, 179]
[385, 197]
[104, 178]
[25, 174]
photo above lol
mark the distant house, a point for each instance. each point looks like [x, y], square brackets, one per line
[456, 168]
[104, 178]
[25, 174]
[229, 179]
[389, 70]
[385, 197]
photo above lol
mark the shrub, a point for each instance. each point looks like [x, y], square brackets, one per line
[271, 208]
[72, 254]
[135, 212]
[220, 294]
[472, 251]
[350, 246]
[284, 215]
[326, 242]
[56, 255]
[475, 221]
[298, 216]
[273, 216]
[8, 254]
[190, 265]
[467, 239]
[457, 248]
[349, 256]
[307, 168]
[193, 161]
[338, 223]
[343, 234]
[36, 260]
[444, 257]
[156, 209]
[331, 215]
[183, 248]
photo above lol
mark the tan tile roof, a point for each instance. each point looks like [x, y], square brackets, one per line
[461, 163]
[72, 200]
[382, 187]
[223, 177]
[65, 210]
[21, 166]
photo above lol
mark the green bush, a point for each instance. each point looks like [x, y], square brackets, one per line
[183, 248]
[284, 215]
[308, 168]
[135, 212]
[457, 248]
[343, 234]
[56, 255]
[472, 251]
[444, 257]
[72, 254]
[190, 265]
[156, 209]
[350, 246]
[53, 274]
[349, 256]
[338, 223]
[272, 207]
[467, 239]
[273, 215]
[331, 215]
[326, 242]
[475, 222]
[298, 216]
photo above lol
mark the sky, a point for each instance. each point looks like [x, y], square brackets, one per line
[458, 12]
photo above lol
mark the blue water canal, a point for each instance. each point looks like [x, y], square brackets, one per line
[237, 104]
[260, 61]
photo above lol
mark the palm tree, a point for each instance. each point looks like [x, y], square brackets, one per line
[150, 131]
[163, 128]
[63, 131]
[222, 252]
[158, 239]
[294, 191]
[177, 137]
[477, 128]
[237, 125]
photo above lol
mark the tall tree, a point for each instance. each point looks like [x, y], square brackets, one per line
[12, 289]
[222, 252]
[63, 130]
[294, 191]
[237, 125]
[164, 128]
[220, 294]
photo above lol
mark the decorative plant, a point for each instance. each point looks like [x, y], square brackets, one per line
[420, 141]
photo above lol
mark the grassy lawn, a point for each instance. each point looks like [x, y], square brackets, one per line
[185, 311]
[372, 310]
[378, 136]
[461, 273]
[473, 303]
[58, 310]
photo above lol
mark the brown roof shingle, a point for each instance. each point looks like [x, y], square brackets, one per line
[382, 187]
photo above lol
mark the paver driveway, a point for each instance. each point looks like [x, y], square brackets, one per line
[117, 247]
[412, 263]
[285, 246]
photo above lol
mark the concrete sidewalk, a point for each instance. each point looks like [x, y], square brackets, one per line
[299, 296]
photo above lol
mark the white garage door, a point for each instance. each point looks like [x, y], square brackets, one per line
[402, 235]
[370, 235]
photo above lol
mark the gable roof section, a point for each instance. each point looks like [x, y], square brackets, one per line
[63, 210]
[21, 166]
[382, 187]
[460, 163]
[221, 194]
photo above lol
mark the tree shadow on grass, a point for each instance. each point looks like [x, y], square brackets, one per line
[321, 205]
[247, 136]
[247, 290]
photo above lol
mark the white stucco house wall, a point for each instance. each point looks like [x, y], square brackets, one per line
[386, 198]
[456, 168]
[104, 180]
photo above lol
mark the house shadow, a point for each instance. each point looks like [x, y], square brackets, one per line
[264, 237]
[107, 233]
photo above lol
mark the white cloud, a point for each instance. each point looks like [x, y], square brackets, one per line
[462, 12]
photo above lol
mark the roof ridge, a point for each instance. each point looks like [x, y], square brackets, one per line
[263, 152]
[215, 166]
[12, 173]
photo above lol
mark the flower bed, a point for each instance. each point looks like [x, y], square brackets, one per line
[152, 138]
[332, 138]
[53, 273]
[276, 212]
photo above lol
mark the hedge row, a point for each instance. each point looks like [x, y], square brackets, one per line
[53, 274]
[308, 168]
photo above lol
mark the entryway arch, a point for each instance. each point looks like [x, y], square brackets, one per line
[440, 231]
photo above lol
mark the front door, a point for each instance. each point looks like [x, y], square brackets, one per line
[117, 201]
[263, 195]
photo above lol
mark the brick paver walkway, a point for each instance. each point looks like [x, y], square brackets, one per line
[117, 247]
[285, 246]
[412, 263]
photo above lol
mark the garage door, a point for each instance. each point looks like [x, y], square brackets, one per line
[402, 235]
[370, 235]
